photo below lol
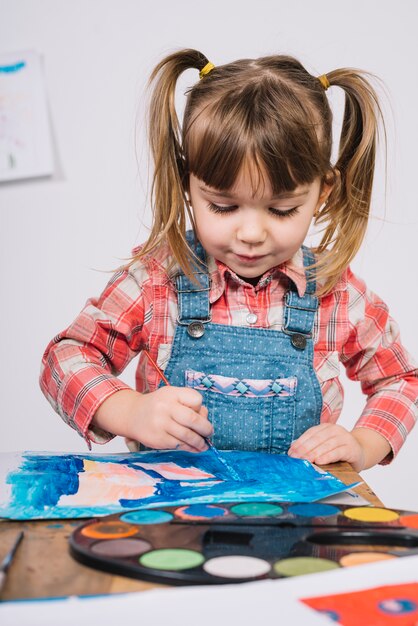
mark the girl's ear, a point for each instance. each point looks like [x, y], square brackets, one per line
[327, 186]
[325, 192]
[329, 181]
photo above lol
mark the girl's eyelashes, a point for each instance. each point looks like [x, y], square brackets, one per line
[287, 213]
[216, 208]
[221, 209]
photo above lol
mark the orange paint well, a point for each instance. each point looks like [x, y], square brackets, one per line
[109, 530]
[360, 558]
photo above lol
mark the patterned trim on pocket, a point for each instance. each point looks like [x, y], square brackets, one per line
[245, 388]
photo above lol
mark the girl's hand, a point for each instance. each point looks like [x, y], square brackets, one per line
[329, 443]
[168, 418]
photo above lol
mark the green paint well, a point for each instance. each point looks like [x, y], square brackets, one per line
[256, 509]
[300, 565]
[172, 559]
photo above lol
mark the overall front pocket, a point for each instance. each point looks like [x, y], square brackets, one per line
[248, 414]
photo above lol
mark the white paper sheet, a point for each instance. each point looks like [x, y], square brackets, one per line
[273, 602]
[25, 140]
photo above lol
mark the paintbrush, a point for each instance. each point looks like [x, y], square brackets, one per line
[213, 448]
[4, 566]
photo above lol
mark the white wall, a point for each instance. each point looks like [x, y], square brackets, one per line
[58, 236]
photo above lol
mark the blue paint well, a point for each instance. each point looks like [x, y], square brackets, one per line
[314, 510]
[147, 517]
[204, 510]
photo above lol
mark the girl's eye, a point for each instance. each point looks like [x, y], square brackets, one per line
[221, 209]
[287, 213]
[216, 208]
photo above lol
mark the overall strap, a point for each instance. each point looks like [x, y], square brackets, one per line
[193, 298]
[299, 312]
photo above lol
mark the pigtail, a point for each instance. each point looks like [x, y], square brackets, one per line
[347, 210]
[168, 199]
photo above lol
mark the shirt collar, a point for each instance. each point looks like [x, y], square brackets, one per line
[220, 274]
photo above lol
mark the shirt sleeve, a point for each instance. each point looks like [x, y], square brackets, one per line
[80, 365]
[374, 355]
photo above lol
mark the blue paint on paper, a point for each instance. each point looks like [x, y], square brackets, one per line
[42, 479]
[15, 67]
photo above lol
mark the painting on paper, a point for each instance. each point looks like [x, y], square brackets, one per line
[35, 485]
[25, 135]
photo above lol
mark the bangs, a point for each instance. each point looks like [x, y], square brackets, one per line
[250, 129]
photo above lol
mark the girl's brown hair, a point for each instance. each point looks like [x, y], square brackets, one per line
[270, 113]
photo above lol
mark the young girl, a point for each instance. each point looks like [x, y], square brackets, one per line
[248, 325]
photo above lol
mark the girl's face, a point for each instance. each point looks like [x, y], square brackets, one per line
[251, 233]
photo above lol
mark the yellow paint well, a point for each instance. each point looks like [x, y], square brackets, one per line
[371, 514]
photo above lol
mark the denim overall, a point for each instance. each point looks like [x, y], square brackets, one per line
[258, 385]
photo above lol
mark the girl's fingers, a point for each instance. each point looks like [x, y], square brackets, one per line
[326, 445]
[174, 443]
[332, 456]
[189, 397]
[193, 421]
[306, 446]
[187, 437]
[171, 444]
[327, 448]
[315, 437]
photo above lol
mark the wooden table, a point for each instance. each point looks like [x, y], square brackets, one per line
[43, 566]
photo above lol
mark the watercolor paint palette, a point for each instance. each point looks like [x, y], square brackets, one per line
[239, 541]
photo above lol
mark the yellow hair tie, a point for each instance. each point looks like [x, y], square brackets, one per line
[324, 81]
[205, 70]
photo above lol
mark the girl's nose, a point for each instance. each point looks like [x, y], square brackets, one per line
[252, 230]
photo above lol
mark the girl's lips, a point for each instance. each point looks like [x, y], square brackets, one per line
[249, 259]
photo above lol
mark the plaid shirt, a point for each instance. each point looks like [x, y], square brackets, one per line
[138, 309]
